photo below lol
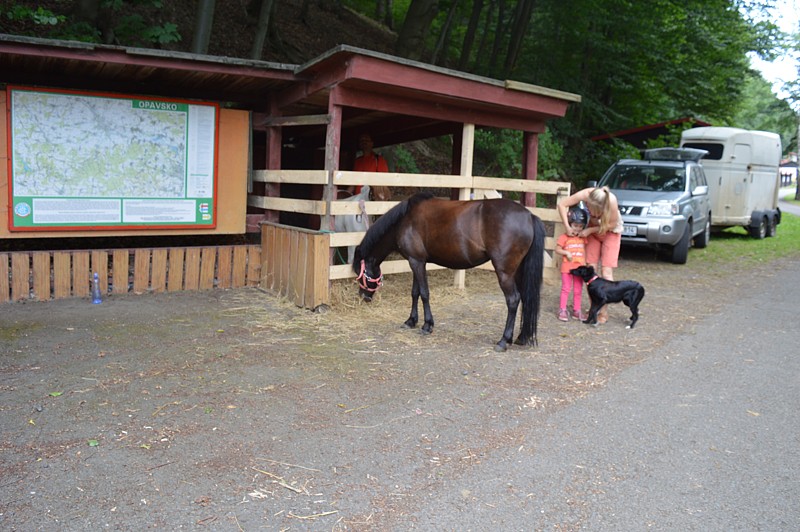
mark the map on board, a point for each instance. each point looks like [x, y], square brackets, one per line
[87, 160]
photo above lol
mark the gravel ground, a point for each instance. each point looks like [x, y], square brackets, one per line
[233, 410]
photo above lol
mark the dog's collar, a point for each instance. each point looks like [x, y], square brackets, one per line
[592, 279]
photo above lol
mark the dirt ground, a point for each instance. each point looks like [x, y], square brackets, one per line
[233, 410]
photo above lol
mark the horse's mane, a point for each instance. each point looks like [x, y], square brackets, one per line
[386, 223]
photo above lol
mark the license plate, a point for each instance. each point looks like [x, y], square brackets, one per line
[629, 230]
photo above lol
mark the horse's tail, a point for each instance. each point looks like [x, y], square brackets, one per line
[531, 282]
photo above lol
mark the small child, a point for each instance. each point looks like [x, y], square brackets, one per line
[573, 249]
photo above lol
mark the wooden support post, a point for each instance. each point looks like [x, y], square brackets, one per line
[273, 190]
[530, 163]
[333, 139]
[467, 152]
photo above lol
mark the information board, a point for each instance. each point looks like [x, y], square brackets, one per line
[100, 161]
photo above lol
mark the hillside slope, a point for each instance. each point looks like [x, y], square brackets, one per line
[233, 28]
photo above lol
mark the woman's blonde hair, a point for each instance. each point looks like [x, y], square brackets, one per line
[599, 201]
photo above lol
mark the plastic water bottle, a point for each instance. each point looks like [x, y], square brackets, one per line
[97, 298]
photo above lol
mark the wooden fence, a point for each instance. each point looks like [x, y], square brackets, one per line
[292, 262]
[295, 264]
[44, 275]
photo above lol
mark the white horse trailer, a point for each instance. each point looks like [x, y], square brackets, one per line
[742, 168]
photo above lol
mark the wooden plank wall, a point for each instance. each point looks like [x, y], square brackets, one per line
[295, 264]
[45, 275]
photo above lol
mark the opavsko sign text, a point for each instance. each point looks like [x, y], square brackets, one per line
[99, 161]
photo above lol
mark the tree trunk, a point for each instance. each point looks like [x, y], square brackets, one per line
[304, 11]
[420, 15]
[93, 13]
[87, 10]
[479, 67]
[521, 21]
[202, 28]
[383, 12]
[444, 37]
[262, 29]
[499, 33]
[469, 36]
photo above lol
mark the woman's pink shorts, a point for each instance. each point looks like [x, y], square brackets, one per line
[603, 249]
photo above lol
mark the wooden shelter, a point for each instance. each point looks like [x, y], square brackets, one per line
[280, 123]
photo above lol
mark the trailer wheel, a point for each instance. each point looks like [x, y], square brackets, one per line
[759, 231]
[772, 226]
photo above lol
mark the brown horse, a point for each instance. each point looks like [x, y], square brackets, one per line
[460, 235]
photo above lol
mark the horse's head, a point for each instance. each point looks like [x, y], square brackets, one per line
[369, 277]
[381, 193]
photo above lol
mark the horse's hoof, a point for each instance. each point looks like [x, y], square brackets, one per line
[500, 348]
[425, 332]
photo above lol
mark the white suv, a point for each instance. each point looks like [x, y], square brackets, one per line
[663, 200]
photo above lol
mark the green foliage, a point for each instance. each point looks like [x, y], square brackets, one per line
[38, 16]
[551, 153]
[128, 30]
[403, 160]
[164, 34]
[78, 31]
[670, 139]
[497, 153]
[760, 109]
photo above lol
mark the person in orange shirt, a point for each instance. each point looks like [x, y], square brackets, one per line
[573, 250]
[368, 161]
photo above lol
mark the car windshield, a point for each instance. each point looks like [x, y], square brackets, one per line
[646, 178]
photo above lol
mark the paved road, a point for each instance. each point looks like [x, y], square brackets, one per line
[785, 206]
[704, 435]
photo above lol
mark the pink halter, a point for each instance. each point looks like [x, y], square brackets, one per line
[363, 279]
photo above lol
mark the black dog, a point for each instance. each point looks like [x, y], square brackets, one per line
[602, 292]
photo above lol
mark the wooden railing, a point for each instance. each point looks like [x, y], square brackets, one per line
[44, 275]
[475, 187]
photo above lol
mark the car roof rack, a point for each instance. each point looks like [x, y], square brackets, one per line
[674, 154]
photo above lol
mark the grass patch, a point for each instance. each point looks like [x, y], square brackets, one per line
[734, 246]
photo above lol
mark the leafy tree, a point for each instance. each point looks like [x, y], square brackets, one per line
[759, 109]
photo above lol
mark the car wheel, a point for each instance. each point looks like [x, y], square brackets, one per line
[759, 231]
[772, 226]
[701, 240]
[680, 251]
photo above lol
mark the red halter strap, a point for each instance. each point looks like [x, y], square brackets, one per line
[363, 279]
[592, 279]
